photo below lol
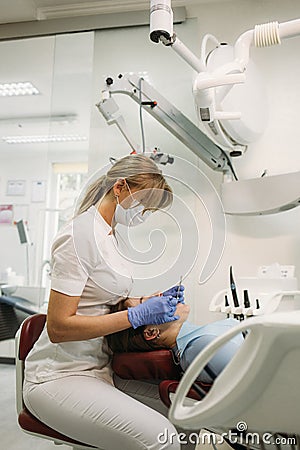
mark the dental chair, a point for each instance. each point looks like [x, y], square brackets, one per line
[257, 392]
[156, 365]
[26, 336]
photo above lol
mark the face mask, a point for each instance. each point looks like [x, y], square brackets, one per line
[132, 216]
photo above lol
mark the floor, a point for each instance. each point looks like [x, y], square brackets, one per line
[12, 438]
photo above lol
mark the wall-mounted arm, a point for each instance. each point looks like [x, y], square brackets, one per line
[165, 113]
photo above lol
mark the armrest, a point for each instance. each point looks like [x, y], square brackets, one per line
[154, 365]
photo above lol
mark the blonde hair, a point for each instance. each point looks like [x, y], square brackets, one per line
[140, 172]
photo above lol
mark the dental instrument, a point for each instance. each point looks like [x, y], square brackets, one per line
[246, 299]
[227, 305]
[226, 301]
[238, 311]
[179, 286]
[247, 305]
[233, 290]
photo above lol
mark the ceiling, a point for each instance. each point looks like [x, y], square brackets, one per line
[32, 10]
[54, 65]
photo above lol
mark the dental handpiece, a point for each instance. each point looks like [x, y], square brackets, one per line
[233, 290]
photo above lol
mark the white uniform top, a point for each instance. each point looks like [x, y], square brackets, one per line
[86, 263]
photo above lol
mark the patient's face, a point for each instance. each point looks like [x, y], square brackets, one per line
[168, 332]
[182, 310]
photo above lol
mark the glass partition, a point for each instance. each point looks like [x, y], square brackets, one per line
[45, 96]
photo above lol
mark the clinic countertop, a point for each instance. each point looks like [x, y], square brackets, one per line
[19, 303]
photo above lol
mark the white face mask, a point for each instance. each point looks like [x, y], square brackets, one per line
[131, 216]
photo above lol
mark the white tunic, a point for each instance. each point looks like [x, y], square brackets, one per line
[86, 262]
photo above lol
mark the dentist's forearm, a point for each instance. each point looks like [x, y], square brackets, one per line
[63, 324]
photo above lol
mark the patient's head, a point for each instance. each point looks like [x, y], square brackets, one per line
[149, 337]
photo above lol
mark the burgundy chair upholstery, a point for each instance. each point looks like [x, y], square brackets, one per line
[30, 331]
[167, 387]
[154, 365]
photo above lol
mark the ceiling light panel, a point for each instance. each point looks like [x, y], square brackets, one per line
[43, 139]
[18, 88]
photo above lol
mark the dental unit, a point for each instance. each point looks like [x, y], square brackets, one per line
[230, 103]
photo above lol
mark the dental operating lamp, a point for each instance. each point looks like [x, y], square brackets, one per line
[226, 79]
[231, 105]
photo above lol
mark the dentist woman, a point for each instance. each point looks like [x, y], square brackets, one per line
[68, 380]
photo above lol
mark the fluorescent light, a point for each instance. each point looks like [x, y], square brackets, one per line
[19, 88]
[43, 139]
[62, 119]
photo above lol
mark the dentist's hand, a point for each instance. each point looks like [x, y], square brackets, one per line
[155, 311]
[174, 292]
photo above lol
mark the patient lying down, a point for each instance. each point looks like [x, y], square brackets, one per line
[184, 338]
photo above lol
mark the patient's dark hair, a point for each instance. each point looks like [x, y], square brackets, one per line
[130, 340]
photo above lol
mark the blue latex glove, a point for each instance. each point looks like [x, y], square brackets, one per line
[173, 291]
[154, 311]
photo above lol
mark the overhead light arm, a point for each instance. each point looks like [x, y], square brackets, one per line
[161, 30]
[165, 113]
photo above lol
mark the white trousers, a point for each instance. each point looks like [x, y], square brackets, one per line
[99, 414]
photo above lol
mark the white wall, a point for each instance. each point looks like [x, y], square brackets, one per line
[261, 240]
[251, 241]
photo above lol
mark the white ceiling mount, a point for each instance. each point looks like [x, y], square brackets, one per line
[261, 196]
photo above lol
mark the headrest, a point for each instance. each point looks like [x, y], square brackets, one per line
[154, 365]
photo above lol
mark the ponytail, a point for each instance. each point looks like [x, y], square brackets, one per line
[93, 194]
